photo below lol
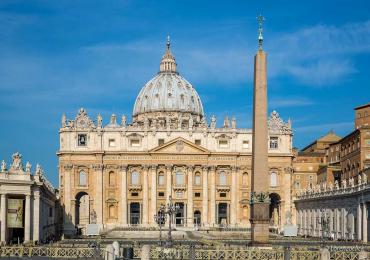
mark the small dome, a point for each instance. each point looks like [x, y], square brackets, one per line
[168, 92]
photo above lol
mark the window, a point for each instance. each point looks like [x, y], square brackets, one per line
[223, 144]
[161, 194]
[311, 177]
[222, 178]
[134, 194]
[245, 144]
[82, 179]
[245, 179]
[223, 195]
[135, 143]
[160, 142]
[112, 213]
[273, 179]
[274, 142]
[178, 194]
[179, 178]
[198, 141]
[197, 179]
[82, 140]
[161, 179]
[367, 142]
[112, 143]
[112, 179]
[50, 212]
[197, 194]
[135, 178]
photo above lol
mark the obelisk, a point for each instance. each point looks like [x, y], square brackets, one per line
[260, 182]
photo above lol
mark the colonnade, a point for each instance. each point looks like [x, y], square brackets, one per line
[343, 223]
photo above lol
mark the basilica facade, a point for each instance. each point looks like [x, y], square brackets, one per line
[118, 174]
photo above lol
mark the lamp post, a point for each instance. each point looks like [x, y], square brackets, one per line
[160, 219]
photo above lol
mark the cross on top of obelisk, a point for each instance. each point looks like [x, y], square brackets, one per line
[260, 20]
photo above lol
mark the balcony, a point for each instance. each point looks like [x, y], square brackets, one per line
[134, 187]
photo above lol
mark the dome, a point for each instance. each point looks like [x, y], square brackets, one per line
[168, 91]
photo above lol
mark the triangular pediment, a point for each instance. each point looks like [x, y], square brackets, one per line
[180, 145]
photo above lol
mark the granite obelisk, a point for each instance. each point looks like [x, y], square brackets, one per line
[260, 182]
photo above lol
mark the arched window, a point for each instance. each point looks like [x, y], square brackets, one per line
[197, 179]
[222, 178]
[180, 178]
[273, 179]
[82, 179]
[245, 179]
[135, 178]
[161, 179]
[112, 179]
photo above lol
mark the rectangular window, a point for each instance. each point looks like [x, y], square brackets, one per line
[198, 141]
[161, 180]
[161, 194]
[245, 144]
[223, 195]
[223, 144]
[274, 143]
[179, 178]
[134, 194]
[112, 143]
[160, 142]
[178, 194]
[197, 180]
[50, 212]
[82, 140]
[135, 142]
[197, 194]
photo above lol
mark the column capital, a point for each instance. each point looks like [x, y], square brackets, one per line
[97, 167]
[67, 167]
[190, 167]
[123, 167]
[205, 168]
[169, 167]
[153, 167]
[212, 168]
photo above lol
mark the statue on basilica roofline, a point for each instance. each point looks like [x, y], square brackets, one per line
[38, 170]
[226, 122]
[3, 166]
[213, 122]
[28, 167]
[233, 123]
[359, 180]
[123, 121]
[100, 120]
[64, 120]
[344, 183]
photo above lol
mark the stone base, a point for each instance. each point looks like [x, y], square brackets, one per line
[290, 231]
[260, 223]
[92, 230]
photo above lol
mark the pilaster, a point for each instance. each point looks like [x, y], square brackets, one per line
[205, 197]
[190, 210]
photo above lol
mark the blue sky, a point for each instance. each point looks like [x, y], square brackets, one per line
[58, 56]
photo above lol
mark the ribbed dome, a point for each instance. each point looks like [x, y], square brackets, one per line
[168, 91]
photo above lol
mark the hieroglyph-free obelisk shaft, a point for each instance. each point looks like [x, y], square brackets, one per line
[260, 181]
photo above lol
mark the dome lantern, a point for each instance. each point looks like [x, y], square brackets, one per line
[168, 62]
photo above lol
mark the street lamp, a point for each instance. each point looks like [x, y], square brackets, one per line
[160, 219]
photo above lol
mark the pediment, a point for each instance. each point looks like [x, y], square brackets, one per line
[180, 145]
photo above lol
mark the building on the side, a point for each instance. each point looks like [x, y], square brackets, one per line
[27, 204]
[118, 174]
[338, 205]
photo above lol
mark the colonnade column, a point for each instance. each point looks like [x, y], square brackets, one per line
[36, 217]
[314, 222]
[190, 210]
[3, 218]
[153, 196]
[319, 224]
[123, 169]
[234, 190]
[359, 222]
[213, 196]
[205, 197]
[27, 219]
[364, 223]
[145, 196]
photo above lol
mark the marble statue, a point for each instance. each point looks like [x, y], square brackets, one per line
[38, 169]
[233, 123]
[123, 121]
[344, 183]
[351, 182]
[359, 180]
[28, 167]
[100, 120]
[213, 122]
[3, 166]
[364, 178]
[226, 122]
[64, 121]
[336, 184]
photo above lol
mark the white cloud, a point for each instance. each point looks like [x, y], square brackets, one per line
[278, 102]
[336, 127]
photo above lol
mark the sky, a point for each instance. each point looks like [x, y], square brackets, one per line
[58, 56]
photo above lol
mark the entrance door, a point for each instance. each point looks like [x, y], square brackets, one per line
[197, 218]
[222, 214]
[134, 213]
[180, 215]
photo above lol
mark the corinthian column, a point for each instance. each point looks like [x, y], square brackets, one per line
[190, 211]
[3, 218]
[213, 196]
[205, 197]
[36, 217]
[153, 196]
[123, 170]
[145, 196]
[234, 190]
[99, 194]
[168, 183]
